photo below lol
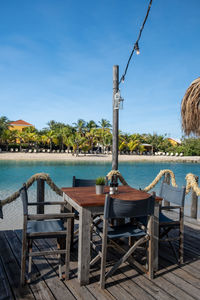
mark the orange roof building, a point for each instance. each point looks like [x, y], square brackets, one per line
[19, 125]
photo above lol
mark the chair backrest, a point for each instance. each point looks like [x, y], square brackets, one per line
[172, 194]
[116, 208]
[24, 197]
[76, 182]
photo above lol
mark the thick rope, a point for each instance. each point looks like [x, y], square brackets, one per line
[191, 179]
[29, 182]
[192, 183]
[158, 177]
[116, 172]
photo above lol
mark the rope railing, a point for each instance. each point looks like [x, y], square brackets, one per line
[191, 183]
[158, 177]
[28, 184]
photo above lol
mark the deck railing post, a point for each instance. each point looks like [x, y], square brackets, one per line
[167, 180]
[40, 195]
[194, 202]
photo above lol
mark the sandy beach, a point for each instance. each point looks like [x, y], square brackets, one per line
[93, 157]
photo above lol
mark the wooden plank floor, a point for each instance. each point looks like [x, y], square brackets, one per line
[171, 281]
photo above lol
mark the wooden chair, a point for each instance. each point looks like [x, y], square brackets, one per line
[176, 196]
[77, 182]
[39, 226]
[116, 208]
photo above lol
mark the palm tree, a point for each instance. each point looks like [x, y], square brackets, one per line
[44, 139]
[141, 148]
[91, 138]
[50, 135]
[133, 145]
[105, 124]
[124, 139]
[80, 126]
[107, 140]
[4, 124]
[30, 135]
[155, 140]
[67, 132]
[134, 142]
[76, 140]
[52, 124]
[85, 145]
[103, 135]
[20, 137]
[91, 125]
[7, 137]
[103, 132]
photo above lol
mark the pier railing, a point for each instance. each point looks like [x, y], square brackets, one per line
[191, 185]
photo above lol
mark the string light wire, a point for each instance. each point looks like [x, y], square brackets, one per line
[136, 47]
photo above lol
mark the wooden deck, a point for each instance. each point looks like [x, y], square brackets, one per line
[171, 281]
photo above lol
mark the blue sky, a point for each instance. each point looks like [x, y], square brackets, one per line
[56, 60]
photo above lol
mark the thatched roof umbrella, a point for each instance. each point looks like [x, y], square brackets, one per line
[190, 109]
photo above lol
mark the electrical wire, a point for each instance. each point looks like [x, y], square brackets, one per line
[136, 43]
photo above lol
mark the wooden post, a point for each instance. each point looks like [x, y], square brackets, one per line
[115, 120]
[167, 180]
[40, 195]
[194, 204]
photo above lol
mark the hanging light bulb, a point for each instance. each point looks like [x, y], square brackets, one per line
[136, 48]
[123, 79]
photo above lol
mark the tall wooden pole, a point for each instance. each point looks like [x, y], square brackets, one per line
[115, 120]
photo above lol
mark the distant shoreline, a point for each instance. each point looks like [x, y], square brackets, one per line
[94, 157]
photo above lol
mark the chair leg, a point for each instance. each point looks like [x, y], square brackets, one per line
[173, 249]
[68, 244]
[103, 256]
[181, 240]
[23, 259]
[59, 259]
[29, 260]
[126, 256]
[72, 233]
[151, 248]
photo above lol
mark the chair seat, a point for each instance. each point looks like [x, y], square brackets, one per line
[45, 226]
[125, 230]
[162, 219]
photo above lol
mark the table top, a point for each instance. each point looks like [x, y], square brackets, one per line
[86, 196]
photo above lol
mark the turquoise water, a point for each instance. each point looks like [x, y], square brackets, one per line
[137, 174]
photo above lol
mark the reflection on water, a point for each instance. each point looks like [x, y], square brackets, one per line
[137, 174]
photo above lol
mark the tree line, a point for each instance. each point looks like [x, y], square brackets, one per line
[88, 136]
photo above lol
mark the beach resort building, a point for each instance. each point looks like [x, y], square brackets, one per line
[149, 148]
[19, 125]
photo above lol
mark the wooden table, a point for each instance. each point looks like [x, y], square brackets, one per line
[87, 203]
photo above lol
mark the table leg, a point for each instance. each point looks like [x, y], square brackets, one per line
[84, 256]
[156, 234]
